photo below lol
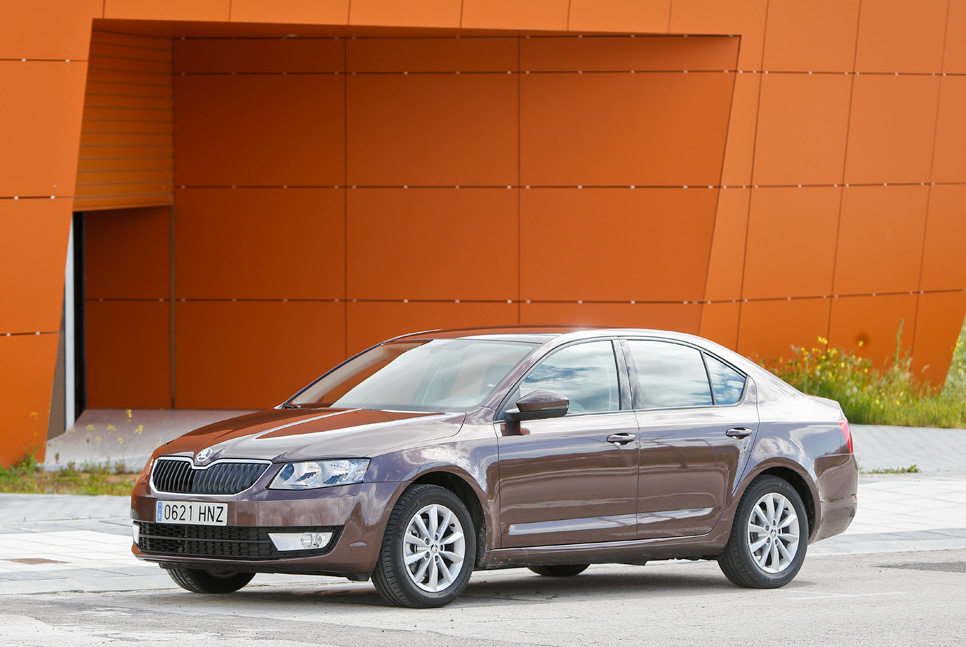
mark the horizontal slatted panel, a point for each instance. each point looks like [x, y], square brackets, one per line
[150, 161]
[134, 189]
[127, 139]
[131, 40]
[124, 126]
[117, 74]
[102, 153]
[130, 52]
[110, 88]
[122, 113]
[128, 101]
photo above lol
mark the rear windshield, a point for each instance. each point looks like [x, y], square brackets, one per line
[445, 375]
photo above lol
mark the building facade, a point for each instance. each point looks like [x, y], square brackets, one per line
[245, 192]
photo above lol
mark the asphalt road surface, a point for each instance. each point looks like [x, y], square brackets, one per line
[907, 599]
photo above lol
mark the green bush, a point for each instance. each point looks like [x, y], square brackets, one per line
[28, 477]
[17, 478]
[879, 396]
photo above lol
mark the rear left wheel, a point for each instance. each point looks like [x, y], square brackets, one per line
[202, 581]
[769, 536]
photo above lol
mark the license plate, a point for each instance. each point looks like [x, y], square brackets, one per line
[193, 513]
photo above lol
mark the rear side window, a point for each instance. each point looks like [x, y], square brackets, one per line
[671, 375]
[726, 382]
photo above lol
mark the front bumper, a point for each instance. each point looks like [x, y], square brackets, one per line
[357, 514]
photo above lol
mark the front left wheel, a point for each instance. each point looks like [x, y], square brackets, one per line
[428, 551]
[559, 570]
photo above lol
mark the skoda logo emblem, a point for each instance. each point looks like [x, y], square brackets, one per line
[202, 457]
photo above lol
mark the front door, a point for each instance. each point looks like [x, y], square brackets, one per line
[572, 479]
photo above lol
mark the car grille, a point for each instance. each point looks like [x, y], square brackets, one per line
[230, 542]
[181, 477]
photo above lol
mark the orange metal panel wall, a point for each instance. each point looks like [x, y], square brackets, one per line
[43, 63]
[126, 163]
[127, 137]
[373, 186]
[846, 134]
[842, 137]
[128, 308]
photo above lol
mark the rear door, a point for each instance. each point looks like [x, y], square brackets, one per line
[697, 417]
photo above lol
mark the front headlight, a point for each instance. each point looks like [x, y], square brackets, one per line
[316, 474]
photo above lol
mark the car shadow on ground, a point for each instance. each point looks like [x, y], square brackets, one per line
[503, 587]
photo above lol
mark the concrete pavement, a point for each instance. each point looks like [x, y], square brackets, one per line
[931, 450]
[869, 600]
[125, 436]
[53, 543]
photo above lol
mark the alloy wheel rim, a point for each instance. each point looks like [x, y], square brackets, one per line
[773, 533]
[434, 548]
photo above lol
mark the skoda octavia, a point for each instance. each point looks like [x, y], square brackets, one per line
[436, 454]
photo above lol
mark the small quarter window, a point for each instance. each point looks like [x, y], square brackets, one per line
[671, 375]
[727, 383]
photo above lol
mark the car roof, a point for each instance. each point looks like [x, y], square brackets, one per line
[523, 333]
[555, 335]
[542, 334]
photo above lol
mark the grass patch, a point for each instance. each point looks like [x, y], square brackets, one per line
[912, 469]
[892, 395]
[28, 477]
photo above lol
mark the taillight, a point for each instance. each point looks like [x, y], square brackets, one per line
[844, 426]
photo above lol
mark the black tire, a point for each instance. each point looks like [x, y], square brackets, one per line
[559, 570]
[738, 562]
[201, 581]
[393, 578]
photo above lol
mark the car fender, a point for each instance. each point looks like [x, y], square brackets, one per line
[791, 462]
[473, 461]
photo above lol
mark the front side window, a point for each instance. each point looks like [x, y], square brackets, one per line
[444, 375]
[586, 374]
[671, 375]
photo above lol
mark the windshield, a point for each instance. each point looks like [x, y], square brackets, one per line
[445, 375]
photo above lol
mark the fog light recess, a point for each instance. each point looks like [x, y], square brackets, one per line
[300, 540]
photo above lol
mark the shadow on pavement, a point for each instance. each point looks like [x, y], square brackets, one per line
[483, 589]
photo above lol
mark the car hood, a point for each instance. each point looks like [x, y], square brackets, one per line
[285, 435]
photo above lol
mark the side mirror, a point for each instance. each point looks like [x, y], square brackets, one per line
[539, 405]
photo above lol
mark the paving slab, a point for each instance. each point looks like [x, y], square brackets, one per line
[930, 449]
[81, 543]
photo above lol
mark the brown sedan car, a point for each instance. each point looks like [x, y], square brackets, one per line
[434, 454]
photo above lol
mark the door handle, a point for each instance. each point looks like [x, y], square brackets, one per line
[738, 432]
[621, 439]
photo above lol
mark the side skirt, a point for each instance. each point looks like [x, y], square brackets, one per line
[702, 546]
